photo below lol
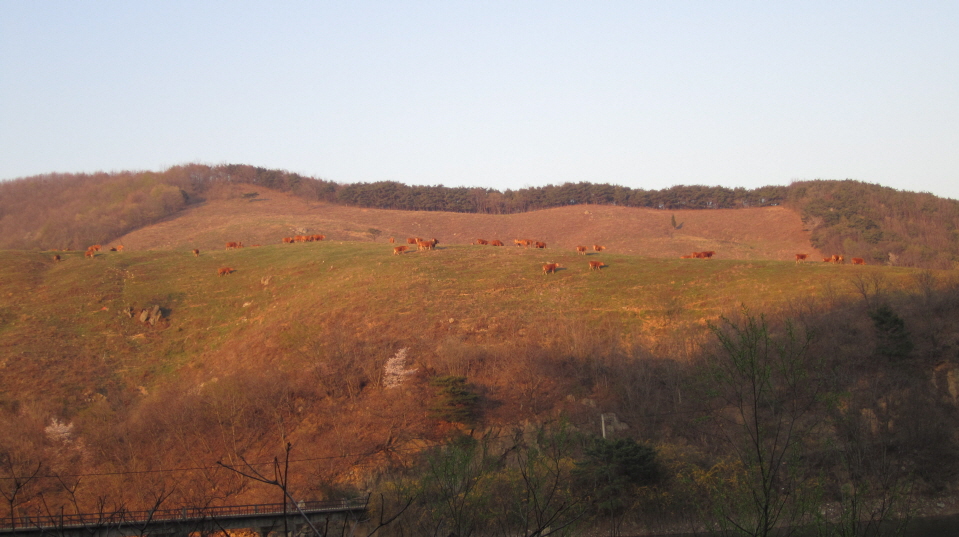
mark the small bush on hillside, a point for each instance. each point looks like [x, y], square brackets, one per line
[612, 467]
[454, 400]
[894, 340]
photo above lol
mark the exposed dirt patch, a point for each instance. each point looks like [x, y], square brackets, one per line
[760, 233]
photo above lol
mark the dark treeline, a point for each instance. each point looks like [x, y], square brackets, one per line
[855, 219]
[392, 195]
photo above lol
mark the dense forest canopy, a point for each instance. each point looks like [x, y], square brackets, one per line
[881, 225]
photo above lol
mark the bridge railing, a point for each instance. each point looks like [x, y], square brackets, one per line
[125, 517]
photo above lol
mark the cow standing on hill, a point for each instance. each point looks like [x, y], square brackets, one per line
[56, 258]
[496, 242]
[196, 252]
[596, 265]
[550, 268]
[858, 261]
[801, 258]
[224, 271]
[400, 249]
[598, 248]
[581, 249]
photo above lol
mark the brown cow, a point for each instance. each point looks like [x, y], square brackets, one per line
[801, 258]
[518, 242]
[598, 248]
[685, 257]
[708, 254]
[90, 253]
[392, 240]
[196, 252]
[95, 248]
[550, 268]
[119, 247]
[596, 265]
[427, 245]
[581, 249]
[840, 259]
[496, 242]
[411, 240]
[318, 237]
[858, 261]
[224, 271]
[827, 260]
[481, 241]
[400, 249]
[56, 258]
[540, 244]
[287, 240]
[232, 245]
[114, 249]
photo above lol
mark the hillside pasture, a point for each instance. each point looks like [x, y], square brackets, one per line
[774, 233]
[67, 332]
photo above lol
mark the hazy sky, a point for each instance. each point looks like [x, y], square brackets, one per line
[496, 94]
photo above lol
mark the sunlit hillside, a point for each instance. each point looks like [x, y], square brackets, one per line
[762, 233]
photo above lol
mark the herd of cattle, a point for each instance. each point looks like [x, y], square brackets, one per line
[424, 244]
[837, 259]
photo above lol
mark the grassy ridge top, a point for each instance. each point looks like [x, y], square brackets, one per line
[66, 332]
[761, 233]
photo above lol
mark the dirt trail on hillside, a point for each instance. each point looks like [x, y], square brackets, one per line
[760, 233]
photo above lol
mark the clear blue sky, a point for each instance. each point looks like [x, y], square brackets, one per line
[494, 94]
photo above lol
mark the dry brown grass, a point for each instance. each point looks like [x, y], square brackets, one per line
[760, 233]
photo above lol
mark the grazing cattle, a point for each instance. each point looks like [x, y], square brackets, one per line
[119, 247]
[685, 257]
[801, 258]
[481, 241]
[518, 242]
[496, 242]
[858, 261]
[709, 254]
[56, 258]
[840, 259]
[224, 271]
[581, 249]
[196, 252]
[525, 243]
[95, 248]
[827, 260]
[596, 265]
[287, 240]
[400, 249]
[114, 249]
[427, 245]
[90, 253]
[540, 244]
[411, 240]
[598, 248]
[392, 240]
[318, 237]
[550, 268]
[232, 245]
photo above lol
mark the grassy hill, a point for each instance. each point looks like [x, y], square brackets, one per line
[761, 233]
[293, 346]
